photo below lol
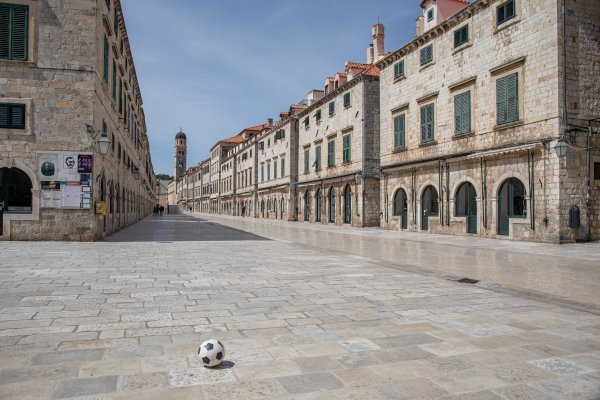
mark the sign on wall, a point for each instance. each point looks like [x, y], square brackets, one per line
[65, 180]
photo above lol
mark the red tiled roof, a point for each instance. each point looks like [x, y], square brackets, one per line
[352, 64]
[458, 1]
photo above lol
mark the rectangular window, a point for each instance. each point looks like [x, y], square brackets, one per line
[120, 96]
[318, 157]
[427, 123]
[268, 171]
[116, 22]
[399, 131]
[427, 55]
[505, 12]
[430, 14]
[306, 122]
[14, 32]
[399, 69]
[262, 173]
[106, 59]
[507, 99]
[346, 149]
[12, 116]
[282, 167]
[462, 113]
[318, 116]
[331, 153]
[331, 108]
[114, 79]
[597, 171]
[274, 169]
[347, 99]
[461, 36]
[306, 162]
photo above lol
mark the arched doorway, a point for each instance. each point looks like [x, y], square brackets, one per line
[306, 206]
[466, 205]
[511, 204]
[332, 205]
[401, 207]
[348, 205]
[318, 206]
[15, 191]
[429, 206]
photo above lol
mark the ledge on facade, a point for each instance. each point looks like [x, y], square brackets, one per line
[462, 83]
[460, 136]
[498, 128]
[508, 66]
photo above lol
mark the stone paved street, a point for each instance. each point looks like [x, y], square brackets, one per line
[123, 320]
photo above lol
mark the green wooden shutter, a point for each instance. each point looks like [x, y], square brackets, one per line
[399, 124]
[318, 157]
[282, 167]
[331, 108]
[346, 149]
[120, 96]
[17, 116]
[512, 98]
[114, 79]
[331, 153]
[501, 115]
[105, 59]
[4, 32]
[427, 123]
[3, 115]
[462, 113]
[19, 32]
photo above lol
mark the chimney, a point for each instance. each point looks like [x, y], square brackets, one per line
[370, 54]
[314, 96]
[270, 121]
[378, 37]
[420, 27]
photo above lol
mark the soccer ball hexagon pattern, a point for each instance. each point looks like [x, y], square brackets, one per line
[211, 353]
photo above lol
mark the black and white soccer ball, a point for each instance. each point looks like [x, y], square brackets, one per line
[211, 353]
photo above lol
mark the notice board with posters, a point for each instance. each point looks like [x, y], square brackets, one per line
[65, 180]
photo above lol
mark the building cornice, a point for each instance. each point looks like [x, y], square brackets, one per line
[437, 31]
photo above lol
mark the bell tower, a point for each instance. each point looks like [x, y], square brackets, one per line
[180, 155]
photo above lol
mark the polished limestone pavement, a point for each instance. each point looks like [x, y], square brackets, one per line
[123, 319]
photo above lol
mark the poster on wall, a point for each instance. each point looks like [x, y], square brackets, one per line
[50, 198]
[70, 195]
[84, 163]
[68, 170]
[48, 167]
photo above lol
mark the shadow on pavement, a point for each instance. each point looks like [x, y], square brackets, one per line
[179, 228]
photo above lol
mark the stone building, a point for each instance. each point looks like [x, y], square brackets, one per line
[338, 146]
[180, 155]
[472, 109]
[68, 87]
[277, 169]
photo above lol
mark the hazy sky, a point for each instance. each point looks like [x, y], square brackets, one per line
[215, 67]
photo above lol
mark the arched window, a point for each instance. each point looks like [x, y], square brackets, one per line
[306, 206]
[15, 190]
[401, 207]
[511, 203]
[429, 206]
[466, 205]
[348, 205]
[318, 205]
[332, 205]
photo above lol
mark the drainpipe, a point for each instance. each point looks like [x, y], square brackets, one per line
[588, 195]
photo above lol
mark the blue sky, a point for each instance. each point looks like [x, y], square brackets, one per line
[215, 67]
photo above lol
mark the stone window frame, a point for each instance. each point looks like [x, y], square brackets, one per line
[28, 130]
[32, 29]
[508, 23]
[465, 45]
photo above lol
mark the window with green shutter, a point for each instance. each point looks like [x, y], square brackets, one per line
[318, 157]
[399, 131]
[12, 116]
[427, 123]
[331, 108]
[346, 149]
[114, 79]
[331, 153]
[399, 69]
[106, 59]
[120, 96]
[306, 162]
[505, 12]
[14, 32]
[461, 36]
[462, 113]
[426, 54]
[318, 116]
[507, 99]
[347, 99]
[282, 167]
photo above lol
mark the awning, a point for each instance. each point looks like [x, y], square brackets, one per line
[504, 150]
